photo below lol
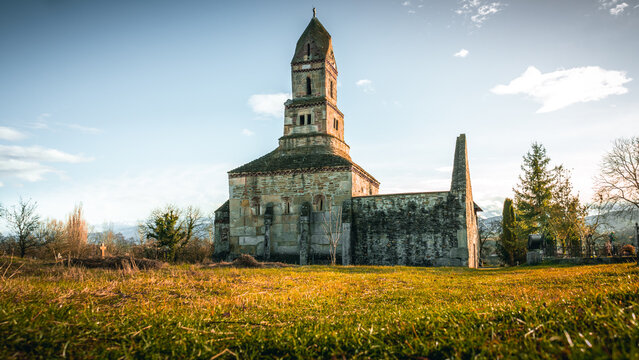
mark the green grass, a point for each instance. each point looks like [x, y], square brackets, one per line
[320, 312]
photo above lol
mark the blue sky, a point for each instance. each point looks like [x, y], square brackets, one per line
[128, 105]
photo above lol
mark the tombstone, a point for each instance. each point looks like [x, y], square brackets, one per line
[103, 249]
[535, 253]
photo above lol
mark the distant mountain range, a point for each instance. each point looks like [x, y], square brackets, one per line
[127, 230]
[622, 224]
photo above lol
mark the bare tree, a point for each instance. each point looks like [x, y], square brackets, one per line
[618, 181]
[52, 234]
[595, 228]
[24, 221]
[77, 231]
[332, 224]
[488, 230]
[193, 223]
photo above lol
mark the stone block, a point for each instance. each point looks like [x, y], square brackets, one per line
[320, 239]
[250, 240]
[534, 257]
[459, 253]
[286, 249]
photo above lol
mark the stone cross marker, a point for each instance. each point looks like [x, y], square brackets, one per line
[103, 249]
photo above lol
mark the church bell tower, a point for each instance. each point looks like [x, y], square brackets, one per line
[312, 117]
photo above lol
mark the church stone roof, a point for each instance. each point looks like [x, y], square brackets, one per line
[319, 38]
[278, 160]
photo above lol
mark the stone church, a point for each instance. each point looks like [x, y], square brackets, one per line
[308, 196]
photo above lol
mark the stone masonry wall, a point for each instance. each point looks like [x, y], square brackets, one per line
[407, 229]
[286, 195]
[363, 186]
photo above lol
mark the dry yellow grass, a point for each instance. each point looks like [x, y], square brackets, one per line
[316, 311]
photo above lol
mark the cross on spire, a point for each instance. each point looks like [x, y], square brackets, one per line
[314, 12]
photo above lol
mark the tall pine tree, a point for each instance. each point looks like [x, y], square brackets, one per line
[533, 195]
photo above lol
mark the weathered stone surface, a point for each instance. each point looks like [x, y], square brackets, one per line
[279, 203]
[405, 229]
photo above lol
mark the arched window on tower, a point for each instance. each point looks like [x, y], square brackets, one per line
[308, 50]
[333, 96]
[308, 85]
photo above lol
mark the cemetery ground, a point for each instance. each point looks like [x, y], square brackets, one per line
[198, 311]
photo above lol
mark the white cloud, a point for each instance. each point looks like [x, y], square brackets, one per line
[37, 153]
[268, 104]
[27, 162]
[129, 197]
[411, 11]
[84, 129]
[618, 9]
[479, 10]
[406, 3]
[461, 53]
[247, 132]
[613, 6]
[7, 133]
[561, 88]
[41, 122]
[366, 85]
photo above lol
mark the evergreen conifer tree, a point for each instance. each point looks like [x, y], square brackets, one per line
[511, 250]
[533, 195]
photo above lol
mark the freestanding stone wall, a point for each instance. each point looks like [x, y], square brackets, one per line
[407, 229]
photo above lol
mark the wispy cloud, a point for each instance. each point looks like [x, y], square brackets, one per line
[127, 197]
[41, 122]
[558, 89]
[247, 132]
[613, 6]
[618, 9]
[270, 105]
[478, 11]
[7, 133]
[27, 163]
[82, 128]
[461, 53]
[366, 85]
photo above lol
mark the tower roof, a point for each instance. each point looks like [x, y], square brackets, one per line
[319, 39]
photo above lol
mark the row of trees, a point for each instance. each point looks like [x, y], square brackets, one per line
[170, 234]
[43, 238]
[545, 203]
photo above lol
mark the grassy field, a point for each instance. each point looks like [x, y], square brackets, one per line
[190, 311]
